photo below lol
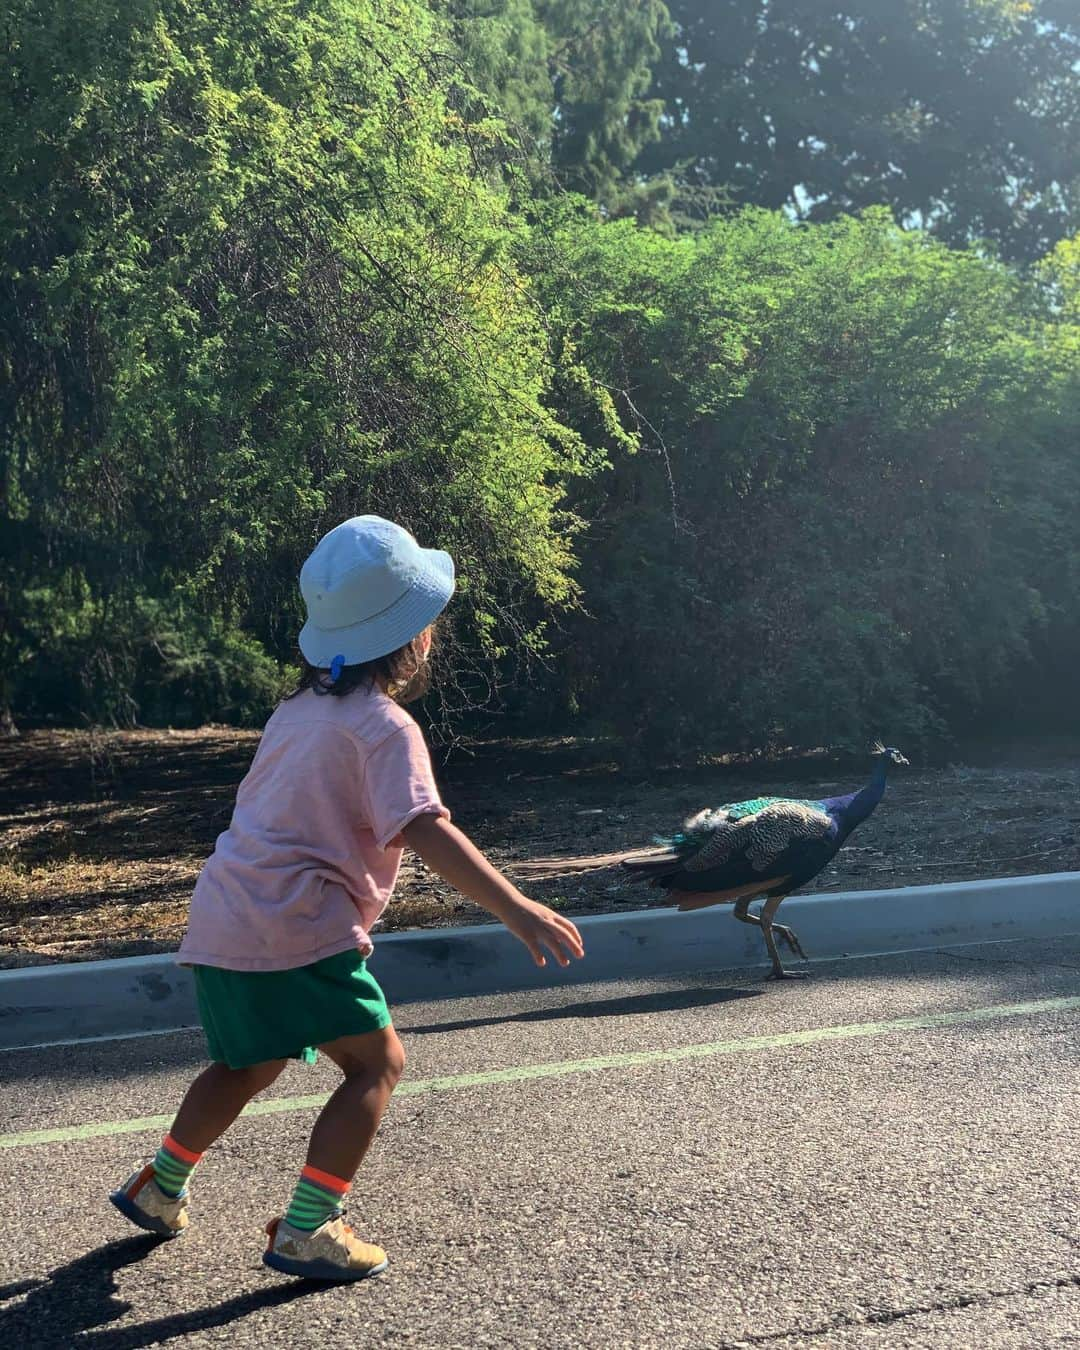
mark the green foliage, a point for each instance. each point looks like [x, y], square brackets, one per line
[961, 116]
[575, 76]
[264, 266]
[139, 660]
[844, 515]
[256, 277]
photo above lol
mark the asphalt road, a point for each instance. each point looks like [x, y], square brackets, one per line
[885, 1155]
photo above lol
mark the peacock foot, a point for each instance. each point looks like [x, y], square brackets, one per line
[782, 974]
[789, 937]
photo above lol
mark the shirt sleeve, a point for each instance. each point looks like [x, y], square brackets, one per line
[399, 785]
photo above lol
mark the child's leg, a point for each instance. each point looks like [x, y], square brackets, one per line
[216, 1098]
[156, 1198]
[210, 1106]
[313, 1241]
[372, 1064]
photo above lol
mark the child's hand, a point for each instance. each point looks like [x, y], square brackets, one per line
[450, 853]
[539, 927]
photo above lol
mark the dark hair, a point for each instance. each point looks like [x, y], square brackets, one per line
[405, 673]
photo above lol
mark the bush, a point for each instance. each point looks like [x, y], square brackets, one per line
[847, 516]
[258, 276]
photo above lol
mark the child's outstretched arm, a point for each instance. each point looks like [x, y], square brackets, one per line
[457, 860]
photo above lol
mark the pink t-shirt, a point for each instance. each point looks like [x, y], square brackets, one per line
[313, 848]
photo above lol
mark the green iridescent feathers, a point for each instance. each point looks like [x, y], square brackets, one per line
[700, 826]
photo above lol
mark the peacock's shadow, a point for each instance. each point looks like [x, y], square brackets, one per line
[663, 1000]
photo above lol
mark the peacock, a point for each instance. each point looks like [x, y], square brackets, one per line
[761, 849]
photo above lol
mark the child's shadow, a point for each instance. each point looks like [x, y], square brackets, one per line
[62, 1310]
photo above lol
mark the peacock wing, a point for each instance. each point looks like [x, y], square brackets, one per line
[718, 846]
[759, 837]
[784, 825]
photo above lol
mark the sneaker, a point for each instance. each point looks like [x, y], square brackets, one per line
[330, 1252]
[142, 1200]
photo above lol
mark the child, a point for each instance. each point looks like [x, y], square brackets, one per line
[280, 917]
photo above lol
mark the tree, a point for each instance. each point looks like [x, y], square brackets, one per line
[961, 115]
[574, 76]
[848, 513]
[257, 275]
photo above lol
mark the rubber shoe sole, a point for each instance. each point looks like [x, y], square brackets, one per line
[147, 1222]
[319, 1270]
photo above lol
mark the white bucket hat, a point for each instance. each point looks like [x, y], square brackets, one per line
[369, 589]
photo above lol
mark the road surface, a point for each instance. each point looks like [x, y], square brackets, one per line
[887, 1154]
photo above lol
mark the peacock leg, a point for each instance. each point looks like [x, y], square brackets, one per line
[742, 911]
[791, 938]
[768, 928]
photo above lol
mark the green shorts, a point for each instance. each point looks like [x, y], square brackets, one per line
[250, 1017]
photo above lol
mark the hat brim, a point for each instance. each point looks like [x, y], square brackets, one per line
[405, 619]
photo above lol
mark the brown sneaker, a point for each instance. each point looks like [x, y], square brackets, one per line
[331, 1252]
[142, 1200]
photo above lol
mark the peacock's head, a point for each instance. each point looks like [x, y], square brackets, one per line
[888, 753]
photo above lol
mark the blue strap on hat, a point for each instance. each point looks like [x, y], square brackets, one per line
[336, 666]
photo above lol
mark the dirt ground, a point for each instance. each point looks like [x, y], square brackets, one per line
[102, 833]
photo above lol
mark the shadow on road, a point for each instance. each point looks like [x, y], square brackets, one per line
[64, 1309]
[664, 1000]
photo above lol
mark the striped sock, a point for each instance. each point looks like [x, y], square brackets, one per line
[318, 1197]
[173, 1165]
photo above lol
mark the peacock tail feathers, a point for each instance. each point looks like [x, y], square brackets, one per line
[738, 836]
[544, 868]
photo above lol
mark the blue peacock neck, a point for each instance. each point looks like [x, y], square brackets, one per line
[855, 808]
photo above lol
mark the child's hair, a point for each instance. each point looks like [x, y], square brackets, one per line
[405, 672]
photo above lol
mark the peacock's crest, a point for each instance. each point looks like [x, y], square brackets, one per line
[889, 753]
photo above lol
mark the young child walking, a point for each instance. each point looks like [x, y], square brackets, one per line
[278, 934]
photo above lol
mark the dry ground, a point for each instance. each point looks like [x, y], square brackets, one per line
[102, 833]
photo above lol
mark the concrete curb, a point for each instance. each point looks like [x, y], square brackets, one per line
[42, 1004]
